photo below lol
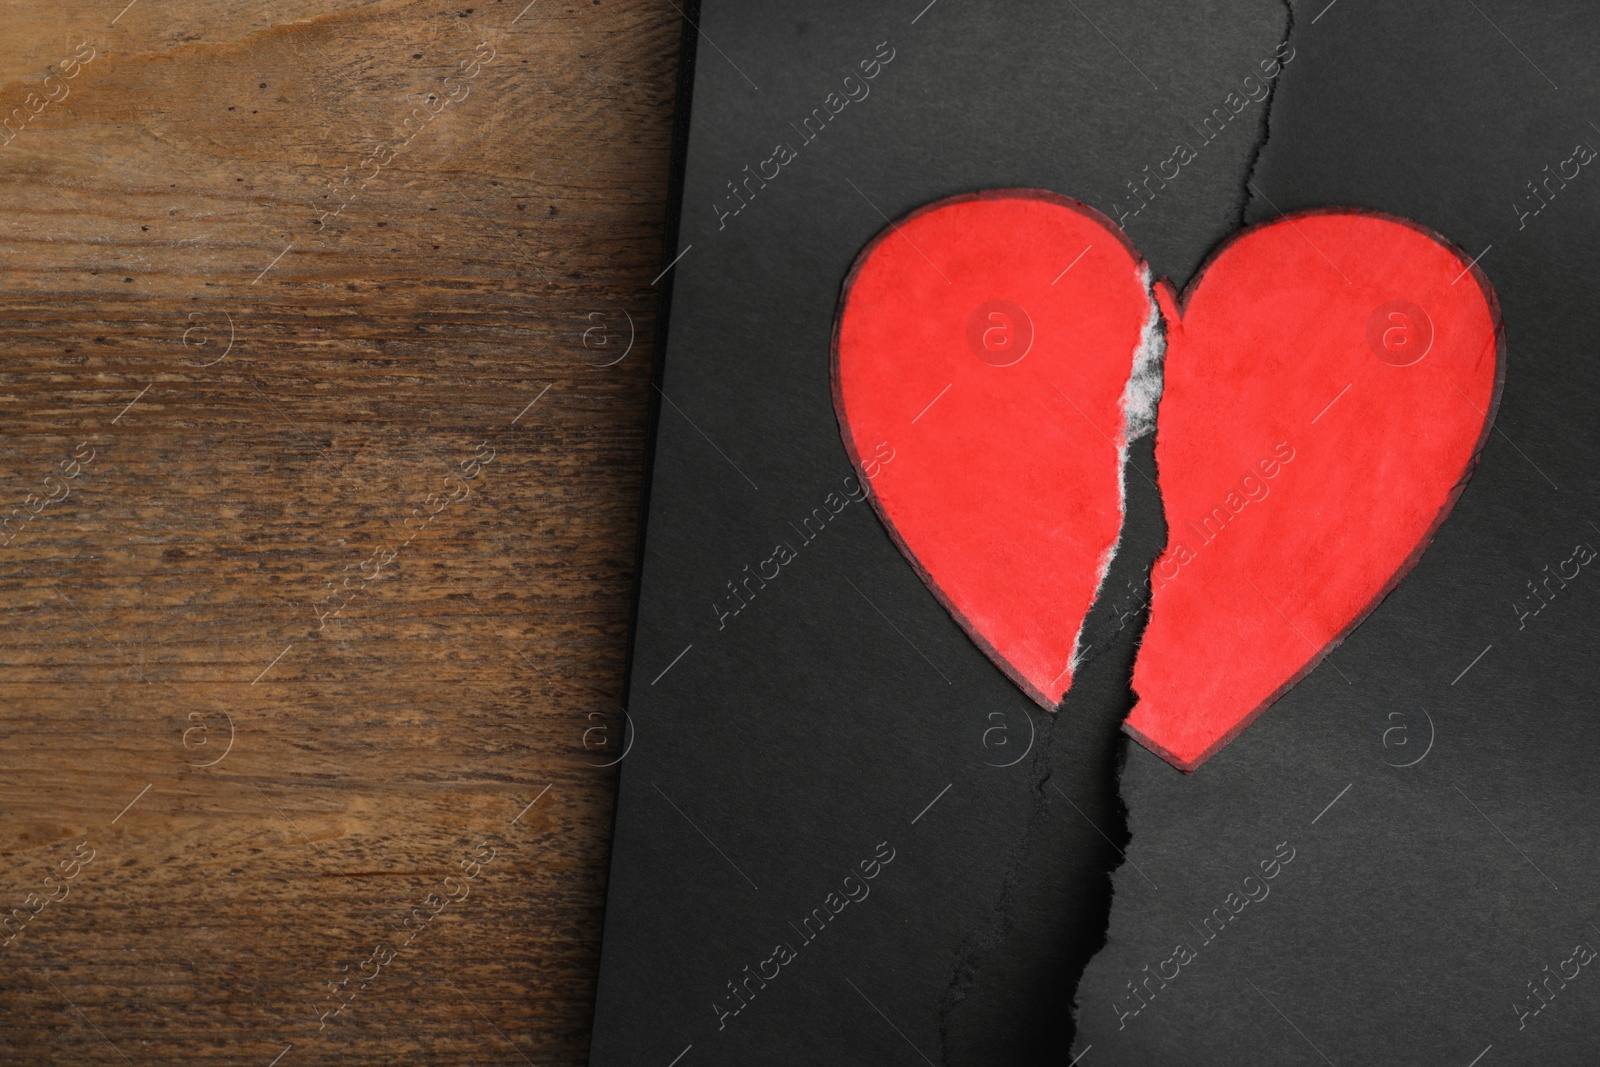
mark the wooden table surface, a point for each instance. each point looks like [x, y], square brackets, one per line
[323, 445]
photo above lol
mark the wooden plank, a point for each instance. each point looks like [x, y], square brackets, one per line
[322, 475]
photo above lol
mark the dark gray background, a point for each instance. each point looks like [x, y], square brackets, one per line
[780, 750]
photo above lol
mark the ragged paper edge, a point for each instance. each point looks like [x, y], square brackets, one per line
[1141, 397]
[1130, 807]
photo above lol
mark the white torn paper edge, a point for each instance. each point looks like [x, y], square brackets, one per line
[1140, 399]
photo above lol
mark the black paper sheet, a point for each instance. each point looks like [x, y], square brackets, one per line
[843, 836]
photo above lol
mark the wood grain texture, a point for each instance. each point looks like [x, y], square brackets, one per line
[318, 509]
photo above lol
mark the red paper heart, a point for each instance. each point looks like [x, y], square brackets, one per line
[968, 334]
[1368, 350]
[1330, 379]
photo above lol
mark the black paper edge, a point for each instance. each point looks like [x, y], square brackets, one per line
[687, 45]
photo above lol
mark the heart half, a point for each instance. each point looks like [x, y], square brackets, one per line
[1330, 378]
[990, 340]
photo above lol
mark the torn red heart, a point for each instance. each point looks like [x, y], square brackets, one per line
[1329, 381]
[989, 339]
